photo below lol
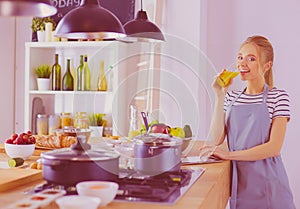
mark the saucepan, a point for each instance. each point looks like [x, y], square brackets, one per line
[157, 153]
[79, 163]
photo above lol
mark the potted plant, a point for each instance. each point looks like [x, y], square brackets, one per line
[96, 124]
[38, 25]
[43, 73]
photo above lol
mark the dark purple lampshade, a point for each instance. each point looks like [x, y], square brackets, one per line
[34, 8]
[142, 28]
[90, 21]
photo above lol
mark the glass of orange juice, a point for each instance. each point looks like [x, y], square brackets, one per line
[225, 77]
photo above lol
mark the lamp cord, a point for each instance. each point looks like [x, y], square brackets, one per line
[141, 5]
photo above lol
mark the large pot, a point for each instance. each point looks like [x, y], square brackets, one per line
[157, 153]
[79, 163]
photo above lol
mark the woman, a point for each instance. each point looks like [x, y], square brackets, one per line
[254, 123]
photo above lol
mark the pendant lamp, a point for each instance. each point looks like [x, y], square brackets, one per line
[143, 29]
[90, 21]
[35, 8]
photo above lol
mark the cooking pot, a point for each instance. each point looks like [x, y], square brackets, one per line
[157, 153]
[69, 166]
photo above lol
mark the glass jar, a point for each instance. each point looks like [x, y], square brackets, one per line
[81, 120]
[66, 119]
[53, 123]
[42, 124]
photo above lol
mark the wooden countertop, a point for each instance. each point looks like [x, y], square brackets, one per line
[210, 191]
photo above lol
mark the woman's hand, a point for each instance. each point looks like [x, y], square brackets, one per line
[219, 90]
[211, 150]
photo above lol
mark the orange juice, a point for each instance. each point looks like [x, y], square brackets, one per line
[225, 77]
[99, 187]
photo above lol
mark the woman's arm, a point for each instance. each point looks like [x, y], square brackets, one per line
[269, 149]
[217, 127]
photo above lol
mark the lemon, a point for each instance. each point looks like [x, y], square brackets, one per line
[177, 132]
[133, 134]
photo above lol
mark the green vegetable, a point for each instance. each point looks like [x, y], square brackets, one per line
[15, 162]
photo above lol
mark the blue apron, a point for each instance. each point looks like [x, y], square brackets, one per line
[261, 184]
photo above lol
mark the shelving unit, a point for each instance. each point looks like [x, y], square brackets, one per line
[55, 102]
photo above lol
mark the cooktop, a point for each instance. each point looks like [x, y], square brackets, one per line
[166, 188]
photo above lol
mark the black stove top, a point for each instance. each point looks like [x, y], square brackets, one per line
[165, 188]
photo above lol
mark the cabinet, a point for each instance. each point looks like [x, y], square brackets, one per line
[55, 102]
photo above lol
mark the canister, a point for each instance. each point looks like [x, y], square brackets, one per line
[53, 123]
[66, 119]
[81, 120]
[42, 124]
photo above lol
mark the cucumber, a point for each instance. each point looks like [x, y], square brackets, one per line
[15, 162]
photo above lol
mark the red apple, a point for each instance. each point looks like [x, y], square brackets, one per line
[160, 128]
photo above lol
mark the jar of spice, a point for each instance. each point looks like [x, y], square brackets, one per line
[81, 120]
[66, 119]
[42, 124]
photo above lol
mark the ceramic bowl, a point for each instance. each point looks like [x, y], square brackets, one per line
[19, 150]
[77, 202]
[104, 190]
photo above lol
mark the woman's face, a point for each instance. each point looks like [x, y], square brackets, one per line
[248, 63]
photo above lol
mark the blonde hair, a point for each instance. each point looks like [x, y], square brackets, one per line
[265, 52]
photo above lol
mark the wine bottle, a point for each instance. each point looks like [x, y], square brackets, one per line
[102, 81]
[86, 75]
[79, 75]
[56, 75]
[68, 81]
[74, 74]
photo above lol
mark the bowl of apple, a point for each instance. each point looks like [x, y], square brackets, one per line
[20, 145]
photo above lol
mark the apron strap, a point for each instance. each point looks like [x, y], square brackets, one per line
[265, 96]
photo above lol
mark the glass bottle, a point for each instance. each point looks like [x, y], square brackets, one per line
[86, 75]
[79, 75]
[102, 81]
[74, 74]
[68, 81]
[56, 75]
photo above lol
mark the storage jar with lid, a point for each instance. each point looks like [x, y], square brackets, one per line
[81, 120]
[66, 119]
[42, 124]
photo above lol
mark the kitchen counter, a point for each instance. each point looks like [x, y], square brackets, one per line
[210, 191]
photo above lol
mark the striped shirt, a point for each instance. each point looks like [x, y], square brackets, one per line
[277, 101]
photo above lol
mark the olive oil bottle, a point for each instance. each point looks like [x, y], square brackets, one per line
[56, 75]
[79, 75]
[86, 75]
[102, 80]
[68, 81]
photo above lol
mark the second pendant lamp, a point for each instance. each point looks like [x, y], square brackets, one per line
[90, 21]
[143, 29]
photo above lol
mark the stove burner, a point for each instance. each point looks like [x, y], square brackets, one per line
[164, 188]
[155, 188]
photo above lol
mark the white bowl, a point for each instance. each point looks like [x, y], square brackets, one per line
[105, 190]
[77, 202]
[19, 150]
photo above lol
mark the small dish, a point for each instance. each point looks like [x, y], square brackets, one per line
[78, 202]
[19, 150]
[105, 190]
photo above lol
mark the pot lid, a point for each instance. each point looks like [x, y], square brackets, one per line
[75, 155]
[157, 139]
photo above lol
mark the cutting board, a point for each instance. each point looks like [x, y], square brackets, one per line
[14, 177]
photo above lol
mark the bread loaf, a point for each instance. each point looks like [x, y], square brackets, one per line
[52, 141]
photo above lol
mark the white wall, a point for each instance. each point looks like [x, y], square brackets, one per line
[7, 73]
